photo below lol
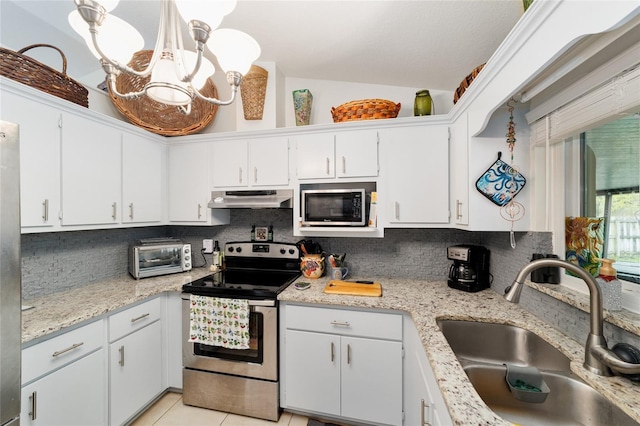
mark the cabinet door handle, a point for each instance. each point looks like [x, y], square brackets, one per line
[344, 165]
[423, 421]
[140, 317]
[239, 174]
[333, 351]
[113, 210]
[328, 164]
[70, 348]
[458, 209]
[199, 210]
[34, 403]
[45, 208]
[341, 323]
[131, 211]
[255, 174]
[348, 354]
[121, 350]
[397, 210]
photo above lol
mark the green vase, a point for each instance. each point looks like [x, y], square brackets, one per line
[302, 100]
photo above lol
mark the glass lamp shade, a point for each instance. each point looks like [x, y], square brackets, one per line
[117, 39]
[209, 11]
[206, 68]
[109, 5]
[170, 90]
[234, 49]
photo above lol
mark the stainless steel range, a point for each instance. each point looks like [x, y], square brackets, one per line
[241, 381]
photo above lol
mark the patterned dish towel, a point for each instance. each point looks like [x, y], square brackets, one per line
[219, 322]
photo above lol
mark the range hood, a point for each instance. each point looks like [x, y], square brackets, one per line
[250, 199]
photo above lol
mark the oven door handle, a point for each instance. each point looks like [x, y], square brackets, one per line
[267, 303]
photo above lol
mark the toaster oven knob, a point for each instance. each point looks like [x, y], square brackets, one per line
[186, 250]
[187, 265]
[187, 258]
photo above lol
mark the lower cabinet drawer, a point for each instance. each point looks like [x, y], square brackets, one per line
[134, 318]
[377, 325]
[54, 353]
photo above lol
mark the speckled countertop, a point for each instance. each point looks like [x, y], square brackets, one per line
[428, 301]
[424, 301]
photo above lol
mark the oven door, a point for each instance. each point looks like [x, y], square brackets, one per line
[259, 361]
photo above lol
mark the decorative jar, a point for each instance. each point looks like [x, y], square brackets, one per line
[423, 103]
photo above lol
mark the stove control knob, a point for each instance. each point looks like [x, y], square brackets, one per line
[282, 251]
[291, 251]
[231, 249]
[239, 249]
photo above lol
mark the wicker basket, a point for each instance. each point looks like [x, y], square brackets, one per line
[466, 82]
[157, 117]
[366, 109]
[253, 90]
[26, 70]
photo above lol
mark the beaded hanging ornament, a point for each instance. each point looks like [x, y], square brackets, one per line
[513, 211]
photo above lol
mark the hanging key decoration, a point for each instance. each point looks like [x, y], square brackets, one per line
[512, 211]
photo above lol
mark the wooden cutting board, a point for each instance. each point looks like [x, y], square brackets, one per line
[353, 288]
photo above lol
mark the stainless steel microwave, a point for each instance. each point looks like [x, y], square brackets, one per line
[159, 256]
[334, 207]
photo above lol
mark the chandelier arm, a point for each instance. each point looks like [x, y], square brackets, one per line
[233, 78]
[112, 86]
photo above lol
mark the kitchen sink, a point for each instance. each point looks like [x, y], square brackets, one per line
[484, 348]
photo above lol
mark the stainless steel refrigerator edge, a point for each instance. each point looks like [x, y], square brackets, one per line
[10, 276]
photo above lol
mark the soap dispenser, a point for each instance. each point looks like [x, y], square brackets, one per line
[610, 286]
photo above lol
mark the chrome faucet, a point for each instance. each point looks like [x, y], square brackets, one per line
[597, 357]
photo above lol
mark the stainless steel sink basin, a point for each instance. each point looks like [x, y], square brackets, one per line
[484, 348]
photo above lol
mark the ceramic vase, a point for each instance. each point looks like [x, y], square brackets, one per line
[302, 100]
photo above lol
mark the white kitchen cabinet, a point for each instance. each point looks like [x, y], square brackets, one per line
[423, 401]
[248, 163]
[135, 359]
[39, 159]
[459, 171]
[346, 154]
[73, 395]
[415, 179]
[142, 179]
[343, 363]
[357, 154]
[189, 190]
[64, 380]
[91, 171]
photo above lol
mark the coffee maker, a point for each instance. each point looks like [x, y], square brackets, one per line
[470, 269]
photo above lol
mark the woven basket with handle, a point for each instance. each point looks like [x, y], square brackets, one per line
[366, 109]
[157, 117]
[26, 70]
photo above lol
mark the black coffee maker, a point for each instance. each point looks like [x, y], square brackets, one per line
[470, 268]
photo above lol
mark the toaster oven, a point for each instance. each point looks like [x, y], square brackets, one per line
[159, 256]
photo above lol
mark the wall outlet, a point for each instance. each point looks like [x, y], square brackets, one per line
[207, 246]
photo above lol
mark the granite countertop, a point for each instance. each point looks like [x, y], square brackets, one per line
[55, 312]
[424, 301]
[428, 301]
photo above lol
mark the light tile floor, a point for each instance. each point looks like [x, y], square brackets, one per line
[170, 411]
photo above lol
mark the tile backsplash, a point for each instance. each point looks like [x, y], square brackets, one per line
[53, 262]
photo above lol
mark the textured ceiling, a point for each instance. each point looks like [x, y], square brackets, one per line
[425, 43]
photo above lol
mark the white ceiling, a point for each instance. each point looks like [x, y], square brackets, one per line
[432, 44]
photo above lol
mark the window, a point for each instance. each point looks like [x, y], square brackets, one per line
[611, 179]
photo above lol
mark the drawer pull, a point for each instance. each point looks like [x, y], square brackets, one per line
[348, 354]
[45, 207]
[341, 323]
[423, 422]
[121, 350]
[131, 211]
[70, 348]
[199, 210]
[458, 209]
[344, 165]
[34, 403]
[333, 351]
[328, 164]
[255, 174]
[140, 317]
[114, 212]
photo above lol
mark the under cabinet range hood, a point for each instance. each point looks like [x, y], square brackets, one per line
[252, 199]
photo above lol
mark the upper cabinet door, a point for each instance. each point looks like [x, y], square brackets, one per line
[315, 156]
[416, 161]
[269, 159]
[141, 179]
[39, 159]
[357, 154]
[91, 172]
[230, 159]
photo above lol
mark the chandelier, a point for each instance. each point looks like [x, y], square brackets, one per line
[176, 75]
